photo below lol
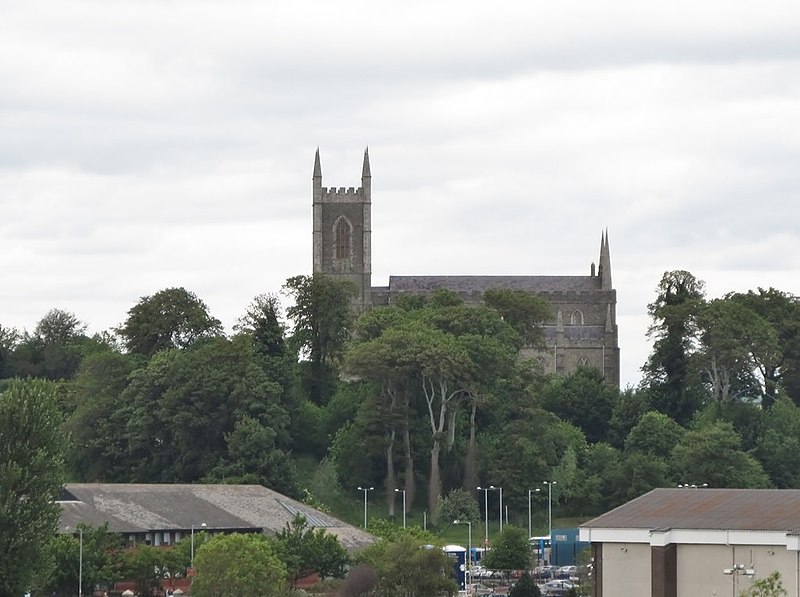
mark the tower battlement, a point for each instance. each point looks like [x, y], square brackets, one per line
[342, 194]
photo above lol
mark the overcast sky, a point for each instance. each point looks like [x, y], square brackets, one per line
[150, 144]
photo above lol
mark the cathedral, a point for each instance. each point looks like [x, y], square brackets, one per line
[583, 331]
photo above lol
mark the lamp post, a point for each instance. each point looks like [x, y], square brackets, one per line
[365, 490]
[737, 570]
[403, 491]
[486, 491]
[501, 508]
[80, 559]
[469, 549]
[550, 508]
[191, 559]
[530, 528]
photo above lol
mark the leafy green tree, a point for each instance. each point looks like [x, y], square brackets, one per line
[322, 316]
[584, 399]
[510, 550]
[31, 477]
[731, 334]
[54, 349]
[253, 458]
[148, 566]
[305, 550]
[670, 372]
[102, 558]
[781, 367]
[628, 410]
[655, 434]
[9, 337]
[171, 318]
[238, 564]
[405, 568]
[459, 505]
[525, 587]
[523, 311]
[98, 386]
[713, 455]
[770, 586]
[779, 443]
[359, 582]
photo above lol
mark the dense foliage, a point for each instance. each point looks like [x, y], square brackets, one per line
[424, 398]
[31, 474]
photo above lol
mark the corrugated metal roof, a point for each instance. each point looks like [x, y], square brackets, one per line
[707, 509]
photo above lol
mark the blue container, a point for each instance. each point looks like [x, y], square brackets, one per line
[459, 555]
[565, 547]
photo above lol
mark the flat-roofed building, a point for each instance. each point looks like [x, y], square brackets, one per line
[696, 541]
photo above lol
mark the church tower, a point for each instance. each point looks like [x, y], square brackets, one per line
[342, 231]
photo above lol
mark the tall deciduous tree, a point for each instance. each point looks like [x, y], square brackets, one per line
[171, 318]
[669, 371]
[31, 477]
[305, 550]
[322, 315]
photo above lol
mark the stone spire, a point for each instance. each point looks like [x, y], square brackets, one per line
[604, 266]
[317, 167]
[365, 173]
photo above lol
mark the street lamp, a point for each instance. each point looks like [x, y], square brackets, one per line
[191, 560]
[469, 549]
[403, 491]
[486, 491]
[80, 559]
[530, 491]
[737, 570]
[365, 490]
[550, 508]
[501, 508]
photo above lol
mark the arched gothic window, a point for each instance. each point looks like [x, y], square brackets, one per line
[583, 362]
[576, 318]
[344, 238]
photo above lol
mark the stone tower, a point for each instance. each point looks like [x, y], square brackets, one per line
[342, 231]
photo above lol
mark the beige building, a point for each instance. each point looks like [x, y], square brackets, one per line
[696, 542]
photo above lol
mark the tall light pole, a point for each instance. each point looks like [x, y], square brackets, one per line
[80, 559]
[403, 491]
[191, 560]
[469, 550]
[365, 490]
[486, 491]
[501, 508]
[530, 528]
[550, 508]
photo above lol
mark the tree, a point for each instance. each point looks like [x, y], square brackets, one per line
[406, 569]
[322, 316]
[54, 349]
[771, 586]
[171, 318]
[101, 561]
[305, 550]
[510, 550]
[31, 476]
[148, 566]
[779, 443]
[525, 587]
[238, 564]
[523, 311]
[655, 434]
[713, 455]
[584, 399]
[669, 371]
[459, 505]
[359, 582]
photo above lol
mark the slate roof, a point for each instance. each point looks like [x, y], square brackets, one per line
[707, 509]
[541, 284]
[139, 508]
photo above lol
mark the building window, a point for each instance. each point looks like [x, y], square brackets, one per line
[576, 318]
[344, 238]
[583, 362]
